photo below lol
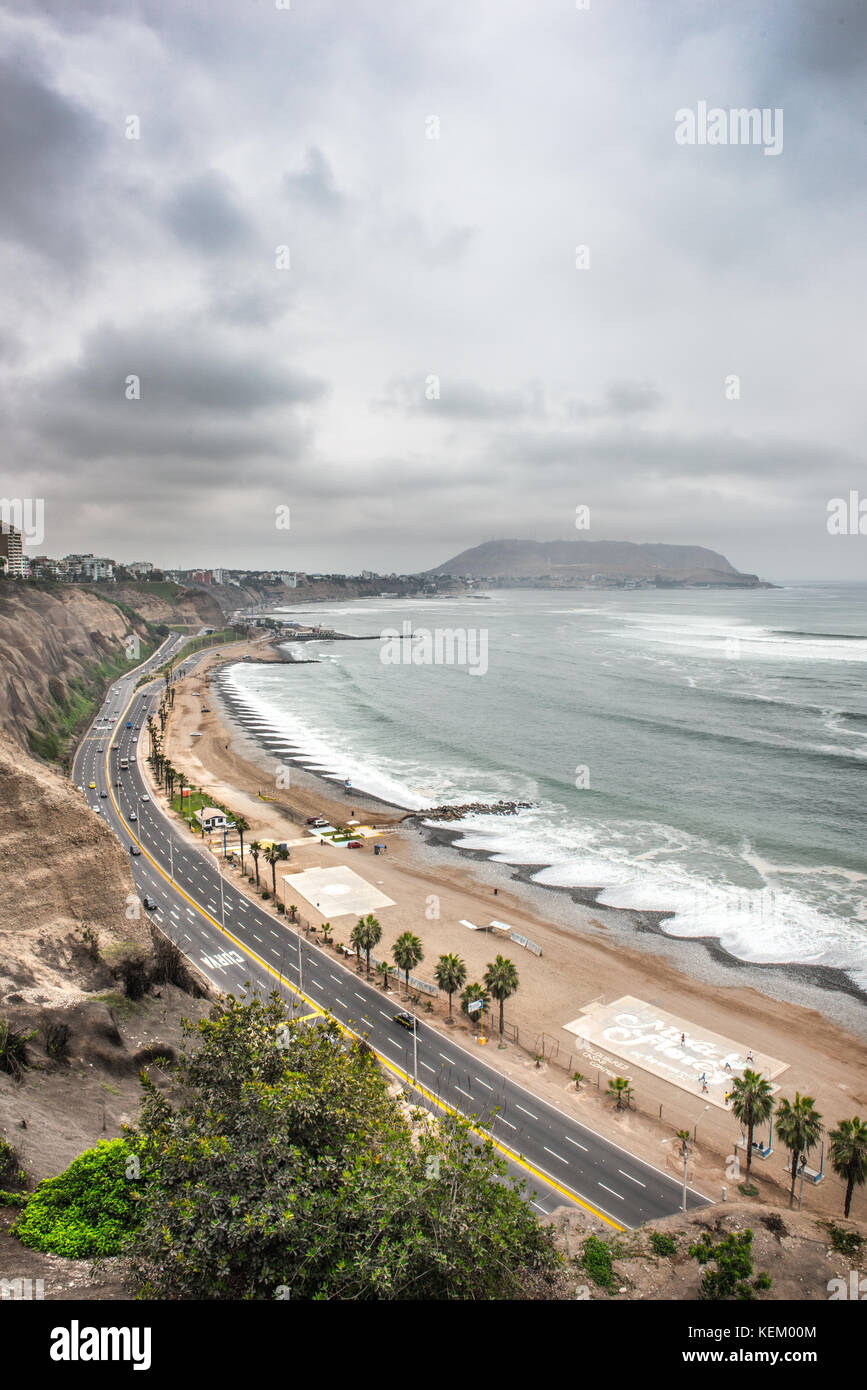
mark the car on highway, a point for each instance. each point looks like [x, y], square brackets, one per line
[145, 797]
[100, 749]
[134, 849]
[133, 816]
[405, 1020]
[149, 902]
[103, 794]
[92, 786]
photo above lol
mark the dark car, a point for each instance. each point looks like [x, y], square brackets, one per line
[406, 1021]
[134, 849]
[103, 794]
[149, 902]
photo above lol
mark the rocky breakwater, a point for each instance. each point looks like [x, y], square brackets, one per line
[470, 808]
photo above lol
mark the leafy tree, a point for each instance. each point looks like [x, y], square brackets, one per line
[90, 1209]
[620, 1091]
[798, 1127]
[278, 1166]
[848, 1153]
[407, 952]
[501, 981]
[752, 1103]
[366, 934]
[472, 994]
[450, 974]
[733, 1257]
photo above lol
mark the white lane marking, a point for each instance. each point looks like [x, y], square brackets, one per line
[553, 1155]
[575, 1142]
[388, 1016]
[483, 1083]
[426, 1067]
[631, 1178]
[536, 1204]
[506, 1122]
[358, 996]
[619, 1197]
[463, 1092]
[335, 977]
[526, 1112]
[243, 906]
[259, 939]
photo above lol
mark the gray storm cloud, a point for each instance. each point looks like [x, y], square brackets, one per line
[328, 208]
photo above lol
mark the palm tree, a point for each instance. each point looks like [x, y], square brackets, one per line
[848, 1154]
[326, 932]
[620, 1090]
[450, 974]
[254, 850]
[752, 1103]
[383, 969]
[369, 933]
[356, 939]
[798, 1127]
[501, 979]
[407, 952]
[273, 857]
[241, 825]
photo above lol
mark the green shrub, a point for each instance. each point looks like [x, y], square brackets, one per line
[596, 1259]
[733, 1257]
[844, 1242]
[13, 1049]
[14, 1199]
[662, 1244]
[88, 1210]
[8, 1160]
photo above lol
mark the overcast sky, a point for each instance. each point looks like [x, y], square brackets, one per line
[412, 257]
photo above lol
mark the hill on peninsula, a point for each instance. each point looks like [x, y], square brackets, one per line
[555, 563]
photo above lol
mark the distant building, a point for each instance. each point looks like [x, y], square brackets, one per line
[200, 577]
[88, 567]
[140, 568]
[45, 567]
[290, 580]
[218, 576]
[12, 558]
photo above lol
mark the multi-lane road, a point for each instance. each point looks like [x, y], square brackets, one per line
[233, 940]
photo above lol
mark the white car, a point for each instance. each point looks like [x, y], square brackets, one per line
[145, 797]
[96, 809]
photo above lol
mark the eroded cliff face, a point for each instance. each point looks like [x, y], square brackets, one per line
[48, 641]
[61, 871]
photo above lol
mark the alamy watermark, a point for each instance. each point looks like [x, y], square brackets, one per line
[847, 517]
[738, 126]
[24, 514]
[444, 646]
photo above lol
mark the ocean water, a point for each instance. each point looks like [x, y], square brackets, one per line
[703, 753]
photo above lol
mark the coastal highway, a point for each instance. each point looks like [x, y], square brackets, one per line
[234, 941]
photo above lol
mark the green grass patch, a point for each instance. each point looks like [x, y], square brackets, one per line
[86, 1211]
[662, 1244]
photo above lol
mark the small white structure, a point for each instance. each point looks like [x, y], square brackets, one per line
[210, 818]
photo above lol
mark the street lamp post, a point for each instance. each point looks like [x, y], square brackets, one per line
[695, 1128]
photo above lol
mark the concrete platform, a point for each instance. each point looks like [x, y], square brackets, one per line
[336, 892]
[648, 1037]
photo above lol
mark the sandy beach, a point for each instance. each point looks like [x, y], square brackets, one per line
[588, 953]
